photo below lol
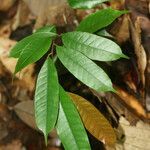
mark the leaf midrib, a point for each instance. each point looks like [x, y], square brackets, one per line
[85, 69]
[21, 51]
[47, 95]
[74, 41]
[31, 54]
[69, 125]
[49, 33]
[84, 5]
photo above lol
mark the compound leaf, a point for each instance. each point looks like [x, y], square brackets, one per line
[84, 69]
[47, 98]
[94, 121]
[99, 20]
[69, 125]
[93, 46]
[84, 3]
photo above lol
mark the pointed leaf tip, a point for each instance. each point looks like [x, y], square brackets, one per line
[94, 121]
[99, 20]
[45, 139]
[69, 126]
[92, 46]
[86, 71]
[125, 56]
[46, 98]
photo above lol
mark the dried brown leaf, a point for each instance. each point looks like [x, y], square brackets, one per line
[25, 111]
[138, 47]
[94, 121]
[145, 24]
[59, 15]
[26, 74]
[120, 29]
[51, 12]
[22, 16]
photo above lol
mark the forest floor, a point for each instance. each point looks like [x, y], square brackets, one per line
[127, 110]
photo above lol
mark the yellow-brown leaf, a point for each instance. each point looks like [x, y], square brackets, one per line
[94, 121]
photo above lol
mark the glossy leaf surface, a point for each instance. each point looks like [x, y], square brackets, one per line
[69, 126]
[84, 69]
[84, 3]
[47, 98]
[93, 46]
[94, 121]
[99, 20]
[104, 33]
[18, 48]
[32, 48]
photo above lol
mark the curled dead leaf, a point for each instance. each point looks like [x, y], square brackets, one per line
[94, 121]
[5, 29]
[138, 47]
[123, 34]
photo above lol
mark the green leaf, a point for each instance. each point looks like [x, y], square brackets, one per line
[19, 47]
[104, 33]
[30, 41]
[33, 51]
[32, 48]
[47, 98]
[85, 3]
[99, 20]
[92, 46]
[69, 126]
[84, 69]
[50, 30]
